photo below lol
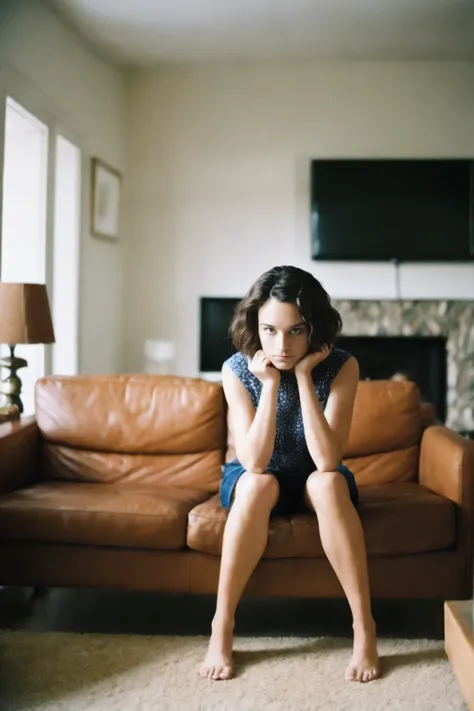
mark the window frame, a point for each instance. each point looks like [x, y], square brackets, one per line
[14, 85]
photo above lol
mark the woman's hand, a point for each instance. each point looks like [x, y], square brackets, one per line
[311, 360]
[263, 369]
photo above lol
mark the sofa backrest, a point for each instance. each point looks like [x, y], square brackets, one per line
[133, 429]
[154, 430]
[385, 435]
[384, 440]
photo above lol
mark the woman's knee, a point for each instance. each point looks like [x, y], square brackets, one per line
[257, 488]
[323, 484]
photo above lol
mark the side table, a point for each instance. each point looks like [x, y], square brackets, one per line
[459, 644]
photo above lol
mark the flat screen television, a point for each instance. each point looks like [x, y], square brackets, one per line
[392, 209]
[215, 343]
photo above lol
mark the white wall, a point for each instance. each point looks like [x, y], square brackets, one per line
[45, 67]
[219, 179]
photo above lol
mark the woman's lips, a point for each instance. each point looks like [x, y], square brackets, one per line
[282, 357]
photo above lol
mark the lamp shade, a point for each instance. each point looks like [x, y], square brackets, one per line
[25, 316]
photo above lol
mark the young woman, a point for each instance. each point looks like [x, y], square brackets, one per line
[291, 396]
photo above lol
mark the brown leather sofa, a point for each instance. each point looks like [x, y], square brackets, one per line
[115, 485]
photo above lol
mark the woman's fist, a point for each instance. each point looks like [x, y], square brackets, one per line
[263, 369]
[311, 360]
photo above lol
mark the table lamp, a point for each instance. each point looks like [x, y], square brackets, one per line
[159, 357]
[25, 317]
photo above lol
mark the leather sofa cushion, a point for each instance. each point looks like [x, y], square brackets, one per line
[200, 470]
[386, 467]
[397, 518]
[387, 417]
[98, 514]
[132, 414]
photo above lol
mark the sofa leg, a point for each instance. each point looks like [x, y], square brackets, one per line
[439, 619]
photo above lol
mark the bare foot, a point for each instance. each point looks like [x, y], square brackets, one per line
[364, 665]
[218, 662]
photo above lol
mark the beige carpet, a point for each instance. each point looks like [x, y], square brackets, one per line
[92, 672]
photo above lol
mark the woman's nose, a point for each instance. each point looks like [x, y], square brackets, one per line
[282, 343]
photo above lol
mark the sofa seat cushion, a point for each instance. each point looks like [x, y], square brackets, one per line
[397, 518]
[98, 514]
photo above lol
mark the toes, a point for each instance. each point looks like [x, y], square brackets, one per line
[362, 675]
[355, 675]
[215, 673]
[369, 675]
[222, 673]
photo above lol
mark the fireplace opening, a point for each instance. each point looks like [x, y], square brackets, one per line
[422, 359]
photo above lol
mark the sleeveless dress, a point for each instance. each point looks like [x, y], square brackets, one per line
[291, 461]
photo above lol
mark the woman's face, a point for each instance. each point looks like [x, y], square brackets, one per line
[283, 333]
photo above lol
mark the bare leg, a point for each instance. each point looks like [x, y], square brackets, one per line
[245, 538]
[343, 541]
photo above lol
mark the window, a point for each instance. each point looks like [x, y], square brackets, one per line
[23, 249]
[39, 247]
[67, 210]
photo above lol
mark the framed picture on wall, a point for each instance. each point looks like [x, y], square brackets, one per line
[106, 183]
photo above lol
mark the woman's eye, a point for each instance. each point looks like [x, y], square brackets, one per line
[269, 330]
[296, 331]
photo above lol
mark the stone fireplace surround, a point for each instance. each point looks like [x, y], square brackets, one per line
[453, 319]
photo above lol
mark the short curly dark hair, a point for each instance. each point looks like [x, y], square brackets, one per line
[288, 284]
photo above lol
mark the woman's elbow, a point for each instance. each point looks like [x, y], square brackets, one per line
[254, 467]
[328, 466]
[257, 469]
[251, 465]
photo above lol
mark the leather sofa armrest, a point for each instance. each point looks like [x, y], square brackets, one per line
[447, 465]
[19, 454]
[447, 468]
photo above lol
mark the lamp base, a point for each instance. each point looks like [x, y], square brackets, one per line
[11, 385]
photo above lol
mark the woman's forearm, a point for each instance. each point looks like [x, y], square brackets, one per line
[260, 440]
[322, 443]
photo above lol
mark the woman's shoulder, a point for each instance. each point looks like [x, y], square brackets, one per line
[332, 364]
[238, 363]
[339, 355]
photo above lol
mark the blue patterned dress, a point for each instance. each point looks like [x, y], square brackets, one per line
[291, 461]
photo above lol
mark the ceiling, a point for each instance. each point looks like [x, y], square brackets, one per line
[150, 32]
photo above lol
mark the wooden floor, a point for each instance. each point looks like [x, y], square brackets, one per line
[116, 612]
